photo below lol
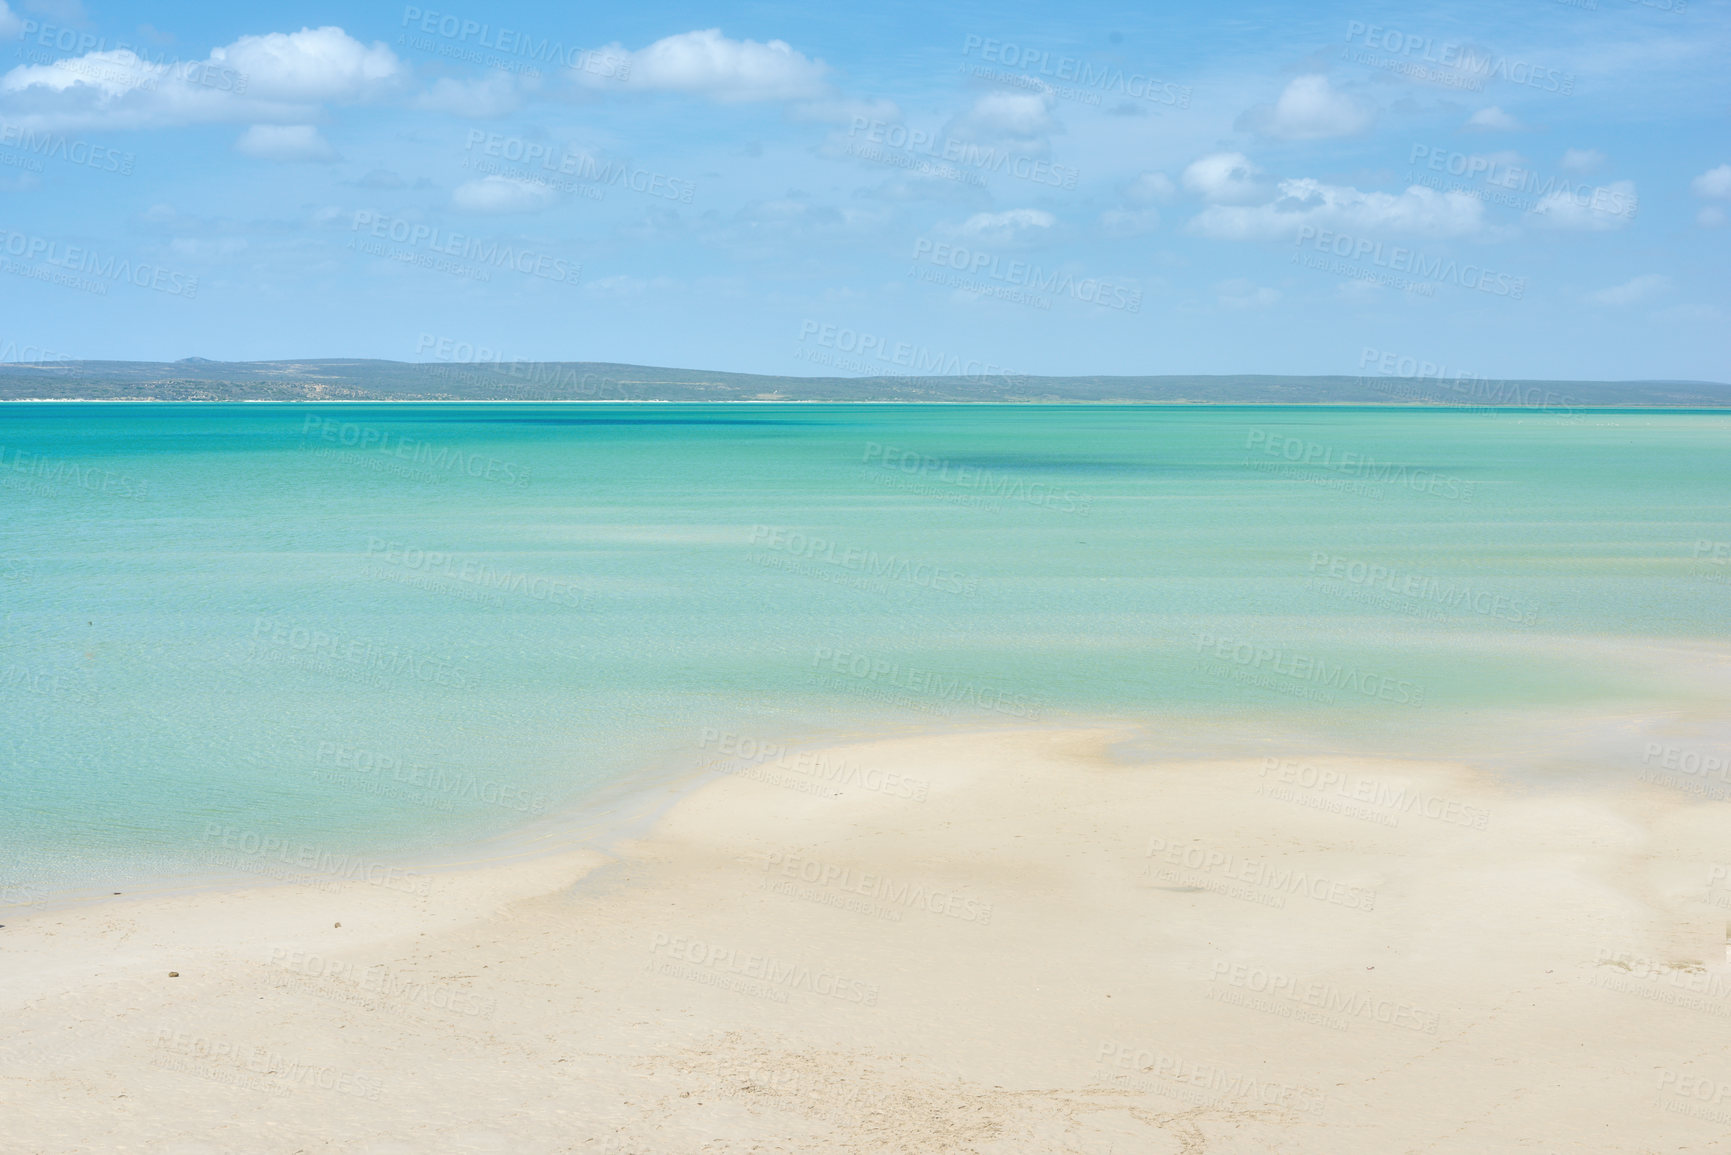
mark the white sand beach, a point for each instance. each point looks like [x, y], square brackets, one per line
[1044, 947]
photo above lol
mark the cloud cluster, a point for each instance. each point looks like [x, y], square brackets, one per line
[706, 63]
[1019, 121]
[1714, 184]
[1226, 178]
[1308, 109]
[279, 77]
[1599, 210]
[288, 77]
[1493, 119]
[1418, 211]
[1020, 115]
[503, 194]
[1008, 228]
[312, 65]
[1246, 204]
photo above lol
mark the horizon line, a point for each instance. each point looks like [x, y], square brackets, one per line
[64, 363]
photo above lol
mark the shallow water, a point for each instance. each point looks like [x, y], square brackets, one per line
[379, 629]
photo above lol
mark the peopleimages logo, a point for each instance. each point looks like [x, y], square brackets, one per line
[58, 146]
[580, 165]
[1324, 997]
[49, 471]
[1079, 72]
[449, 459]
[1314, 454]
[477, 573]
[986, 482]
[549, 379]
[868, 563]
[1516, 179]
[1422, 588]
[1465, 61]
[1412, 261]
[1469, 387]
[129, 65]
[776, 974]
[462, 31]
[1211, 1082]
[899, 358]
[1306, 668]
[77, 259]
[1089, 290]
[316, 859]
[357, 658]
[918, 143]
[1276, 878]
[436, 241]
[912, 895]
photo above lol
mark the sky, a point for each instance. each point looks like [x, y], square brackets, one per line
[1536, 189]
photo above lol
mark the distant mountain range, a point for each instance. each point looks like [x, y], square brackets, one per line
[196, 379]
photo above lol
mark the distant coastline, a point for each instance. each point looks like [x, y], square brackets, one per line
[336, 380]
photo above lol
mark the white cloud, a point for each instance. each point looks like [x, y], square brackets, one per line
[1019, 121]
[1309, 109]
[1493, 119]
[500, 194]
[1418, 210]
[1013, 226]
[277, 77]
[1226, 178]
[1010, 114]
[1715, 183]
[1241, 294]
[10, 25]
[1633, 291]
[108, 74]
[706, 63]
[314, 64]
[1607, 207]
[285, 142]
[490, 96]
[1583, 159]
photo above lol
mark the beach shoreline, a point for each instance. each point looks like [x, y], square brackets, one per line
[1068, 940]
[594, 822]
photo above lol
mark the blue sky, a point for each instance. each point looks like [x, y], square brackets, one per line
[1538, 189]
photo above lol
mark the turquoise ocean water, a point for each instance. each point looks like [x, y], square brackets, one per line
[382, 629]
